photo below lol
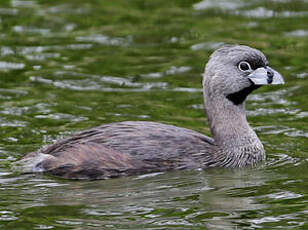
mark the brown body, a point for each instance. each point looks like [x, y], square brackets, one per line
[124, 148]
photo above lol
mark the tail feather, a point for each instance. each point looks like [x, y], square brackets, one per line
[31, 164]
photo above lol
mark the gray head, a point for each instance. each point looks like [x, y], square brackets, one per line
[233, 71]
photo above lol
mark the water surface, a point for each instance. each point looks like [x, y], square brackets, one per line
[70, 65]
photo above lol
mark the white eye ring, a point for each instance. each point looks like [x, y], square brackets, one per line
[244, 66]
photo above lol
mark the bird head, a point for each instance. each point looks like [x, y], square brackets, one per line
[236, 70]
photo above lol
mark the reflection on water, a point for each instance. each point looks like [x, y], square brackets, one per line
[216, 199]
[68, 66]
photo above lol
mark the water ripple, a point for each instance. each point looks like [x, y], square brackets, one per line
[12, 123]
[279, 160]
[287, 131]
[302, 75]
[264, 111]
[64, 8]
[297, 33]
[16, 92]
[173, 70]
[262, 12]
[7, 216]
[222, 4]
[42, 57]
[62, 116]
[237, 7]
[283, 195]
[152, 75]
[177, 70]
[287, 221]
[100, 83]
[207, 46]
[11, 65]
[31, 29]
[105, 40]
[6, 51]
[8, 11]
[297, 133]
[41, 226]
[23, 3]
[273, 97]
[26, 50]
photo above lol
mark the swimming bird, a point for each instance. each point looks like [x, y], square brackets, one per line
[138, 147]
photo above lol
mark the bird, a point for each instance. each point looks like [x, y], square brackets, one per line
[139, 147]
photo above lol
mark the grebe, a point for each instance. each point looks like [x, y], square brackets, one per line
[136, 147]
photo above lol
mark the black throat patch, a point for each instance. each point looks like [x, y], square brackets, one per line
[240, 96]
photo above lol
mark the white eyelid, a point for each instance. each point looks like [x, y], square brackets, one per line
[239, 66]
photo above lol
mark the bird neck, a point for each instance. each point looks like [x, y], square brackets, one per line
[228, 122]
[233, 135]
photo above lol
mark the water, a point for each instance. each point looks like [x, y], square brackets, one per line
[70, 65]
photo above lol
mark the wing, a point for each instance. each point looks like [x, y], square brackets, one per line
[124, 148]
[144, 140]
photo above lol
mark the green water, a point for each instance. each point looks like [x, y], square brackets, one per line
[70, 65]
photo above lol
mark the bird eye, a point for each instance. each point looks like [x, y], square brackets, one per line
[244, 66]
